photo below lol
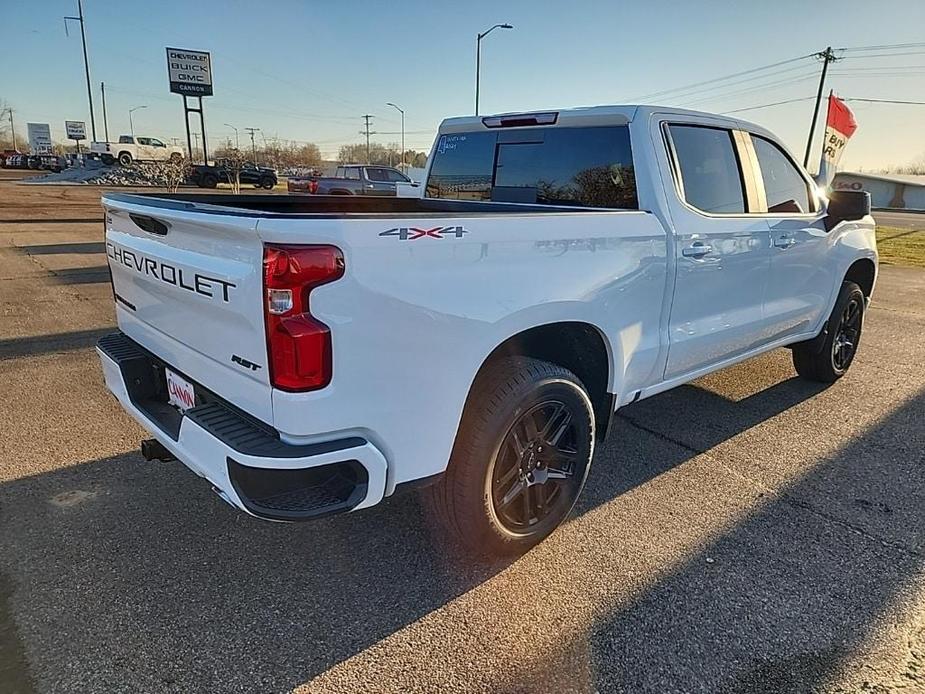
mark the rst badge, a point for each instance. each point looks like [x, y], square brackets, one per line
[412, 233]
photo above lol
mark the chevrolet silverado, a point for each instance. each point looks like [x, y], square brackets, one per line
[309, 355]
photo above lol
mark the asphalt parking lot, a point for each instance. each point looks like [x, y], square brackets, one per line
[750, 532]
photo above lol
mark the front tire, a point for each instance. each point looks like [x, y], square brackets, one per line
[520, 460]
[830, 361]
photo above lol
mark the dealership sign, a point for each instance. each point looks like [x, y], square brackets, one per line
[39, 138]
[190, 72]
[76, 129]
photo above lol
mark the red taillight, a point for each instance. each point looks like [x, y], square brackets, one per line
[313, 187]
[298, 345]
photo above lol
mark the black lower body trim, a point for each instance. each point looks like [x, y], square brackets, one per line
[301, 493]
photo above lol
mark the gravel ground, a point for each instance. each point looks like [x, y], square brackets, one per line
[749, 532]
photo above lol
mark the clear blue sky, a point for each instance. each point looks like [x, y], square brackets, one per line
[307, 70]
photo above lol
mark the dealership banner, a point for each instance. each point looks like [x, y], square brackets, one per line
[839, 127]
[39, 138]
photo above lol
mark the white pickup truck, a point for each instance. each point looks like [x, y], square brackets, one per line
[312, 355]
[130, 148]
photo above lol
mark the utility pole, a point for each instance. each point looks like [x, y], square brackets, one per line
[827, 56]
[105, 119]
[367, 117]
[253, 145]
[83, 39]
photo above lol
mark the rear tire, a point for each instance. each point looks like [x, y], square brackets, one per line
[520, 460]
[830, 360]
[209, 181]
[125, 159]
[267, 183]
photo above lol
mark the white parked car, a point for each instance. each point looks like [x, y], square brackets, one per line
[310, 355]
[130, 148]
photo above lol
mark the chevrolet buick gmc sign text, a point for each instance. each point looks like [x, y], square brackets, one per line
[190, 72]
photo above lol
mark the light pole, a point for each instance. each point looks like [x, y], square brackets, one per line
[401, 111]
[131, 126]
[478, 59]
[237, 142]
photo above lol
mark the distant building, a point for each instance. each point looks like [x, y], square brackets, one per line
[893, 191]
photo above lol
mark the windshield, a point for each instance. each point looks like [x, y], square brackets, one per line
[589, 167]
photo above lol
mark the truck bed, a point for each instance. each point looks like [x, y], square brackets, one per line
[335, 206]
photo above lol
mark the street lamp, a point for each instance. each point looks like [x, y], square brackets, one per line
[402, 132]
[237, 142]
[131, 126]
[478, 59]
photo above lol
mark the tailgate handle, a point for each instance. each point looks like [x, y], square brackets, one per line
[149, 224]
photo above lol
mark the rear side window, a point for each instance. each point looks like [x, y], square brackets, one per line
[352, 173]
[377, 175]
[588, 167]
[711, 179]
[785, 189]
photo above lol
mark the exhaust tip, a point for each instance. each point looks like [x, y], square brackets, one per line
[152, 449]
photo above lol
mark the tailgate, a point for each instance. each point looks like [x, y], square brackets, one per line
[188, 287]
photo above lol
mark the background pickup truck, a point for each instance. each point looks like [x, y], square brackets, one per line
[353, 179]
[129, 149]
[312, 355]
[209, 176]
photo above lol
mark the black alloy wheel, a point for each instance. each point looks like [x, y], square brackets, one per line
[540, 467]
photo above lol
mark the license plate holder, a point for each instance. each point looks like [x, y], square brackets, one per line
[180, 392]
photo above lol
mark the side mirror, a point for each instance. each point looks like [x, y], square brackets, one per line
[846, 206]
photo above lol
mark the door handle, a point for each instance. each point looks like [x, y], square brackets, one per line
[784, 242]
[698, 249]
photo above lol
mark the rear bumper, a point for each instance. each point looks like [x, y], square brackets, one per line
[244, 459]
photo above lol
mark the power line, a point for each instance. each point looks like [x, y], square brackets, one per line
[889, 101]
[888, 46]
[773, 103]
[748, 90]
[723, 78]
[697, 91]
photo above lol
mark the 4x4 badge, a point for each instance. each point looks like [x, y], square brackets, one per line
[412, 233]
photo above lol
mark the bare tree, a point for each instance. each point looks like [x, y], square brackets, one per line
[233, 163]
[173, 172]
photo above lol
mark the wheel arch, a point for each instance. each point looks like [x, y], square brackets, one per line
[862, 272]
[578, 346]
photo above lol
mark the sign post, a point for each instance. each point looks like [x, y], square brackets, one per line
[76, 130]
[190, 75]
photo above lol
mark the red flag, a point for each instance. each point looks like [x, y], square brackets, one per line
[839, 127]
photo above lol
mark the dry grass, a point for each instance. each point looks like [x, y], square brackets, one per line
[901, 246]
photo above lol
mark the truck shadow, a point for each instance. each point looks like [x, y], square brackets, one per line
[126, 572]
[785, 599]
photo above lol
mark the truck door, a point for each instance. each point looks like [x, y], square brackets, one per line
[722, 249]
[801, 277]
[377, 182]
[145, 151]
